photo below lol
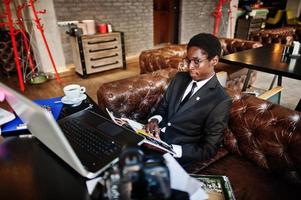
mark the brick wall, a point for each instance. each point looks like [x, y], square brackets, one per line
[196, 17]
[134, 18]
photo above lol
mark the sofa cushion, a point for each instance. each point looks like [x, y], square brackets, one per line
[250, 182]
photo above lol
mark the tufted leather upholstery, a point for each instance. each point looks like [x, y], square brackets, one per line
[135, 97]
[277, 35]
[262, 145]
[172, 55]
[267, 134]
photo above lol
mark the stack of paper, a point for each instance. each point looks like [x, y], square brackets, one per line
[181, 180]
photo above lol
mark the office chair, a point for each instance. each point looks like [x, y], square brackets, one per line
[276, 19]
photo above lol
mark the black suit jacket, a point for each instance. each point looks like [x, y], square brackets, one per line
[199, 124]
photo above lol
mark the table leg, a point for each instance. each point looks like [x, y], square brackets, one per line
[246, 83]
[279, 83]
[298, 107]
[273, 82]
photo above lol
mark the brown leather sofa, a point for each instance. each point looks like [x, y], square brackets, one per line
[172, 56]
[277, 35]
[262, 145]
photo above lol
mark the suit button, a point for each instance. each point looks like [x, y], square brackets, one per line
[168, 124]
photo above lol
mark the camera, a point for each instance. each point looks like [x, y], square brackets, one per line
[137, 176]
[74, 31]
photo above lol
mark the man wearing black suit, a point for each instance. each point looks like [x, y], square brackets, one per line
[194, 110]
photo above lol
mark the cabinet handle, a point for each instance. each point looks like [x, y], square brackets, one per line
[98, 66]
[104, 57]
[102, 41]
[92, 51]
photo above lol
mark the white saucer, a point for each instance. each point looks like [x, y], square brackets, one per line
[66, 100]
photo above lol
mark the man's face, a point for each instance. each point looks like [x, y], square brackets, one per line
[199, 66]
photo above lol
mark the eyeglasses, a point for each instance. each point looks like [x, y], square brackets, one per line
[196, 62]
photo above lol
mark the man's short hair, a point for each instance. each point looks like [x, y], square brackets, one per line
[208, 42]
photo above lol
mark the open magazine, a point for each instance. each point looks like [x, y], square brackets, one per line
[218, 187]
[138, 128]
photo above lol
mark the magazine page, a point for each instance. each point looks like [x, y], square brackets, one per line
[182, 181]
[139, 129]
[218, 187]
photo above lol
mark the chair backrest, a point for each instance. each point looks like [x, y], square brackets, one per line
[275, 19]
[222, 77]
[278, 15]
[290, 17]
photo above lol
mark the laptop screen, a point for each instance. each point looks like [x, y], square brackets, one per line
[44, 127]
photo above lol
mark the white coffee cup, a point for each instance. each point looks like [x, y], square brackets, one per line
[73, 91]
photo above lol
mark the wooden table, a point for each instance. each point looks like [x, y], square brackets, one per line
[267, 59]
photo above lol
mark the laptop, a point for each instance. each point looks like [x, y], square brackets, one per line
[86, 141]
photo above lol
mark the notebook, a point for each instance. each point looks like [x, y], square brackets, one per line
[78, 138]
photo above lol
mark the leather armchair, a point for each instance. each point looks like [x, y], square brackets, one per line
[262, 145]
[172, 55]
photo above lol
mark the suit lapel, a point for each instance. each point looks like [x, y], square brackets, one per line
[198, 95]
[182, 87]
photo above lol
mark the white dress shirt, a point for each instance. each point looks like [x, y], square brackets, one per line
[199, 85]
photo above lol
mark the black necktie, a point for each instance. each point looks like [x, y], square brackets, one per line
[188, 95]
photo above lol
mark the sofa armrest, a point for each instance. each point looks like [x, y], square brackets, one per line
[267, 134]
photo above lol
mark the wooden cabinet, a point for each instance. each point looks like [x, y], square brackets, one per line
[245, 26]
[97, 53]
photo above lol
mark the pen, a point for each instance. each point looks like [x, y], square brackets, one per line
[26, 136]
[90, 106]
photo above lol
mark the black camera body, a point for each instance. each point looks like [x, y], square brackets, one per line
[74, 31]
[147, 174]
[137, 176]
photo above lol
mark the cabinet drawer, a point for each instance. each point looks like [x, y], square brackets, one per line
[105, 64]
[98, 55]
[255, 25]
[92, 49]
[101, 39]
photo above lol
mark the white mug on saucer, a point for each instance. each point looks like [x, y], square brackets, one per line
[73, 91]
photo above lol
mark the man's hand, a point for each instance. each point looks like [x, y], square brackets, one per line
[152, 127]
[2, 96]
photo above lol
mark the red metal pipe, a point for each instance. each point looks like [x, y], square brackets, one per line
[217, 14]
[14, 44]
[23, 32]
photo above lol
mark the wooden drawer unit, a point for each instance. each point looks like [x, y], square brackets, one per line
[97, 53]
[245, 26]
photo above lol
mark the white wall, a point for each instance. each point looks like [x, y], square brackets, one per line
[295, 6]
[53, 38]
[233, 8]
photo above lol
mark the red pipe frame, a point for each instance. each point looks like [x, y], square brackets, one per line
[14, 44]
[23, 32]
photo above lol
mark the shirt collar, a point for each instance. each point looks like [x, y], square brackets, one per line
[202, 82]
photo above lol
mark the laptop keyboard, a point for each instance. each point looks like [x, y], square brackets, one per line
[90, 139]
